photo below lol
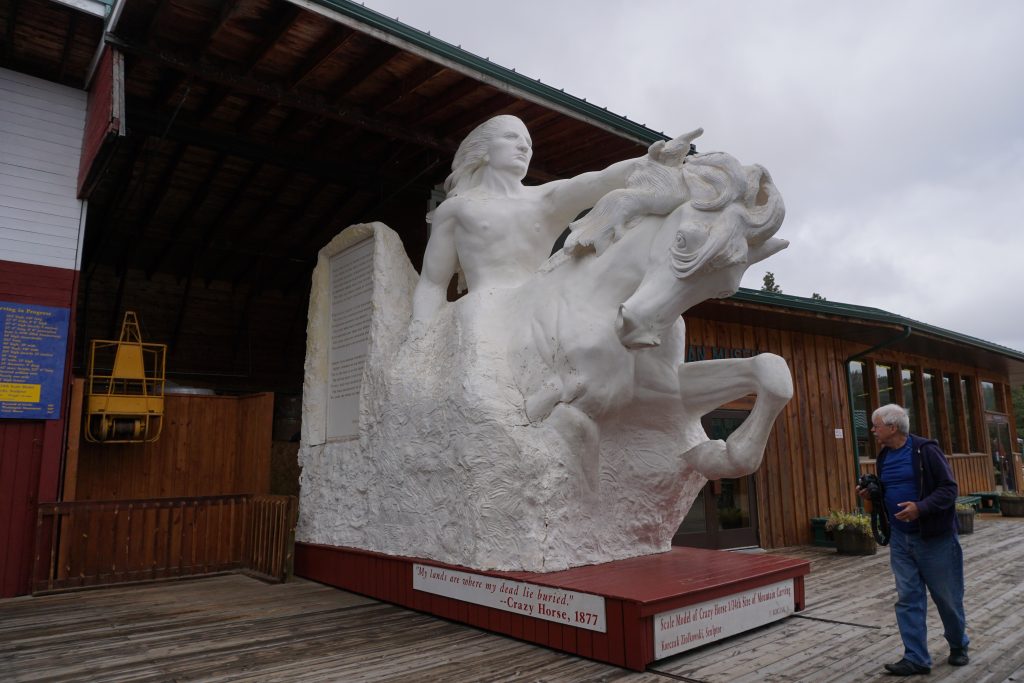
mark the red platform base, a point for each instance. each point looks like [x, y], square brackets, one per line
[717, 584]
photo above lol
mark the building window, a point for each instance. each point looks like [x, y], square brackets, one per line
[992, 396]
[910, 399]
[861, 416]
[956, 445]
[886, 386]
[931, 404]
[970, 406]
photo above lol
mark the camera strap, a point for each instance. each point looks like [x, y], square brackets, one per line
[880, 527]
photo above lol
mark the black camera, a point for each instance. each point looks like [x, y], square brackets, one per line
[872, 484]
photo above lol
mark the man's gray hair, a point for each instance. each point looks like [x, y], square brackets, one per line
[894, 415]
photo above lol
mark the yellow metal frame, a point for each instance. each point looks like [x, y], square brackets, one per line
[126, 404]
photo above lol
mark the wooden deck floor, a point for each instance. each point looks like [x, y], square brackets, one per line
[234, 628]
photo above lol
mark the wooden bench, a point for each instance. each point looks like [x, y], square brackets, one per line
[989, 500]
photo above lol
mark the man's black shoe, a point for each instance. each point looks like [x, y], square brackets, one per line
[905, 667]
[958, 656]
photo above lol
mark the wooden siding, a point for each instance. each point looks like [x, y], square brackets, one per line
[21, 447]
[104, 118]
[807, 470]
[30, 450]
[210, 446]
[973, 473]
[41, 124]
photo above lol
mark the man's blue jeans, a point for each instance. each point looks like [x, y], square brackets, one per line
[935, 563]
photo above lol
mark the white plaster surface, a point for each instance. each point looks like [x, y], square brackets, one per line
[550, 423]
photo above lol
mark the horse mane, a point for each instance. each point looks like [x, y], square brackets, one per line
[717, 182]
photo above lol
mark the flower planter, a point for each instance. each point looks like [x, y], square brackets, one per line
[1011, 507]
[853, 542]
[965, 521]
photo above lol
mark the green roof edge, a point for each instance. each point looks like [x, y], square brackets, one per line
[867, 313]
[485, 66]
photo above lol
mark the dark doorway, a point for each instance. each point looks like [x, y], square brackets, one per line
[725, 513]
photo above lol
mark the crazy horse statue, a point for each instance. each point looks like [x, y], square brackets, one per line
[546, 419]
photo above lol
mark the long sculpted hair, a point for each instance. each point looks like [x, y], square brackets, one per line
[472, 153]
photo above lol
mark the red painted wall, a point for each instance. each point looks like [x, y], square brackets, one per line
[30, 450]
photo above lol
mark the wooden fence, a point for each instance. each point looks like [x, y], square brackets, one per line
[97, 543]
[973, 473]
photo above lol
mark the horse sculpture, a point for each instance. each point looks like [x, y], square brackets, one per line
[554, 423]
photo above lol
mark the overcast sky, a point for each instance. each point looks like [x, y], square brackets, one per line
[894, 130]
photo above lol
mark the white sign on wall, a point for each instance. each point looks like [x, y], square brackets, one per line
[581, 610]
[351, 290]
[691, 626]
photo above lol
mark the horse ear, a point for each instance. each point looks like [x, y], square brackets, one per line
[762, 251]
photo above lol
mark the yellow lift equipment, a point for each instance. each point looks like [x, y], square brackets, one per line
[126, 405]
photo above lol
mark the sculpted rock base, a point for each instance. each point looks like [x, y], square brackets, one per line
[447, 465]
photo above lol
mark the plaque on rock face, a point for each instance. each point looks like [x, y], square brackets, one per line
[351, 289]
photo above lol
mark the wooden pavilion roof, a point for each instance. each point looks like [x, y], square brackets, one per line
[256, 130]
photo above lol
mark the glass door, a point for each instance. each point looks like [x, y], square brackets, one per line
[724, 515]
[1002, 459]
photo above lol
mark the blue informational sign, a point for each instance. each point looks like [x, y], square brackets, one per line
[33, 344]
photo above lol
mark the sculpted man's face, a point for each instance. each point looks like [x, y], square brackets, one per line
[511, 149]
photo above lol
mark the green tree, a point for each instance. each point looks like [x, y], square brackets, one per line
[818, 297]
[769, 284]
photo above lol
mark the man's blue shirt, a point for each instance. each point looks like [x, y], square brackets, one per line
[901, 485]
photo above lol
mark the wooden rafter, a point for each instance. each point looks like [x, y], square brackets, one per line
[406, 86]
[280, 25]
[375, 59]
[311, 160]
[314, 104]
[152, 203]
[69, 41]
[201, 193]
[163, 185]
[328, 46]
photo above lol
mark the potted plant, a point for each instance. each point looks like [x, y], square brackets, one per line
[1011, 504]
[852, 532]
[965, 518]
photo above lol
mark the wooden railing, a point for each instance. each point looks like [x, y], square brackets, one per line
[972, 472]
[98, 543]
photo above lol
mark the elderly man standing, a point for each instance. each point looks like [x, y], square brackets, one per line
[920, 499]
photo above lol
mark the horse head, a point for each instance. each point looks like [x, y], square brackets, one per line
[704, 247]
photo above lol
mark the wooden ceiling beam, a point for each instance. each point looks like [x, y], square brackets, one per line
[280, 25]
[138, 236]
[405, 87]
[68, 42]
[227, 12]
[365, 66]
[312, 103]
[324, 50]
[286, 156]
[99, 222]
[459, 125]
[216, 226]
[7, 49]
[453, 94]
[253, 114]
[283, 23]
[291, 221]
[202, 192]
[108, 238]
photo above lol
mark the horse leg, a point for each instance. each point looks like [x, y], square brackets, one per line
[708, 384]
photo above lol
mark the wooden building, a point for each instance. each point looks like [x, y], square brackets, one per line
[186, 161]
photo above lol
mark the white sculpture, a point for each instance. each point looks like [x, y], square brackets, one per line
[546, 419]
